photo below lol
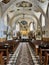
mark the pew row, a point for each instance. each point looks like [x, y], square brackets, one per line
[41, 49]
[12, 45]
[1, 59]
[44, 56]
[6, 48]
[36, 44]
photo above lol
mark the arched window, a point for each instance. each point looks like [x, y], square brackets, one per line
[5, 20]
[43, 21]
[17, 27]
[31, 27]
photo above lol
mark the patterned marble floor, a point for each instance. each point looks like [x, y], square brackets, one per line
[24, 57]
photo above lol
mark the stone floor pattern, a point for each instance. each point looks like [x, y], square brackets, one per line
[24, 57]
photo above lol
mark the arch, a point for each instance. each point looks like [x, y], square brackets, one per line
[22, 14]
[28, 14]
[36, 5]
[17, 21]
[14, 3]
[17, 14]
[32, 25]
[42, 12]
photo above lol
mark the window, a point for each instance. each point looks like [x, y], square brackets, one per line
[17, 27]
[43, 21]
[31, 27]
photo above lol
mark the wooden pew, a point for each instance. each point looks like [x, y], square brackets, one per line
[43, 46]
[45, 39]
[35, 45]
[1, 59]
[4, 49]
[7, 53]
[6, 46]
[46, 58]
[43, 55]
[12, 44]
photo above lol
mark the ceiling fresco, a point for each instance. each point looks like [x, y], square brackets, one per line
[24, 4]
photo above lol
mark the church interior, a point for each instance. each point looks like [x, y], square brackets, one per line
[24, 32]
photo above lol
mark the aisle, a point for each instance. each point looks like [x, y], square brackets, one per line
[24, 57]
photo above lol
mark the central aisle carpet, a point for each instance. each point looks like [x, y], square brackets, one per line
[24, 57]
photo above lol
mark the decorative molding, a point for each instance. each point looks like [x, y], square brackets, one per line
[6, 1]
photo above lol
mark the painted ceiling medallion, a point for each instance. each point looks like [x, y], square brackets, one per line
[6, 1]
[24, 4]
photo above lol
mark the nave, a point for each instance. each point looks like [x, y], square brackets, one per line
[24, 32]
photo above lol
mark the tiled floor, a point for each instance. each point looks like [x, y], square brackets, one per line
[24, 55]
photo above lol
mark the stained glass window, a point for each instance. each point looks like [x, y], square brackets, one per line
[24, 22]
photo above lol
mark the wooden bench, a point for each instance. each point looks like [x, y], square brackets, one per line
[46, 58]
[1, 59]
[43, 55]
[12, 44]
[7, 54]
[35, 45]
[5, 49]
[45, 39]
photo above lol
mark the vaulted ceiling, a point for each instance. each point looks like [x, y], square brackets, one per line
[23, 9]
